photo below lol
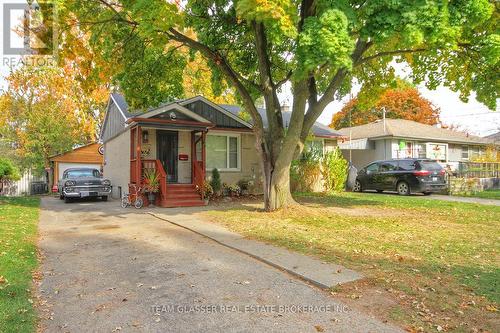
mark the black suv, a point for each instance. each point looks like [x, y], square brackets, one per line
[404, 176]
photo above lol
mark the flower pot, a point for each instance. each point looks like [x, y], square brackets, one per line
[151, 198]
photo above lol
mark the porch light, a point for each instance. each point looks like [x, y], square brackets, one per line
[145, 136]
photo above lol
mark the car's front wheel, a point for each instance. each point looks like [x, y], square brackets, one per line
[403, 188]
[67, 200]
[357, 186]
[104, 198]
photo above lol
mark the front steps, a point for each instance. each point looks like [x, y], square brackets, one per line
[181, 195]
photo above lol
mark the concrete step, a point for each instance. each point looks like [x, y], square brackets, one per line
[171, 203]
[182, 195]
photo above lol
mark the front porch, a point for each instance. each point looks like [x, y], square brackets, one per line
[175, 150]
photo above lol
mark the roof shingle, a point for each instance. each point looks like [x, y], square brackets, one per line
[403, 128]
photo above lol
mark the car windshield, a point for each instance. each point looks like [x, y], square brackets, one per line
[82, 173]
[429, 165]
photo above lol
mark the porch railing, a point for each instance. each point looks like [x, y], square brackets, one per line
[198, 177]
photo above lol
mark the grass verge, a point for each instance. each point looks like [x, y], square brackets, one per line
[18, 260]
[435, 262]
[488, 194]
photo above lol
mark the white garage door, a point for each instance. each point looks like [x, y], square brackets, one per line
[64, 166]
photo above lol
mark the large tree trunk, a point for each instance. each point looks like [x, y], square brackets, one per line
[280, 195]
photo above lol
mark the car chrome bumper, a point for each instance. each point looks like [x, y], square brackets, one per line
[87, 192]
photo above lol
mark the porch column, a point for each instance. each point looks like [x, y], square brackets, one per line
[138, 165]
[193, 154]
[203, 153]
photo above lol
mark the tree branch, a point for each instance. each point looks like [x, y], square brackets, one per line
[273, 109]
[225, 68]
[388, 53]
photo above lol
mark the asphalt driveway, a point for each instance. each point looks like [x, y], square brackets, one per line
[107, 269]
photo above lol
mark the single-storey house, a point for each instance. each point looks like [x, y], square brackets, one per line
[184, 141]
[88, 156]
[399, 138]
[494, 137]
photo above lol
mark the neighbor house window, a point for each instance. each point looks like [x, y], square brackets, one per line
[475, 152]
[223, 151]
[465, 152]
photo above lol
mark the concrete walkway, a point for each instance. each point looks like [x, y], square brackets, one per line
[107, 269]
[321, 274]
[480, 201]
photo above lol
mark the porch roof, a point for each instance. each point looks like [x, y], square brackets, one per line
[170, 124]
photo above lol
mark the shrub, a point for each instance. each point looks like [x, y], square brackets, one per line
[8, 171]
[216, 182]
[234, 190]
[306, 171]
[243, 184]
[334, 169]
[206, 189]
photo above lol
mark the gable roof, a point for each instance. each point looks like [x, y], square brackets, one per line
[403, 128]
[495, 137]
[88, 153]
[231, 111]
[318, 129]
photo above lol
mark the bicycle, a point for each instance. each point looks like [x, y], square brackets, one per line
[134, 198]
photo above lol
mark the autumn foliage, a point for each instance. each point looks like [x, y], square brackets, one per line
[46, 111]
[401, 103]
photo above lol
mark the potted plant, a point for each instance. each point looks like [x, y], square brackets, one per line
[207, 191]
[152, 184]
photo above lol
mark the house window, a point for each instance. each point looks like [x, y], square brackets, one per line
[475, 152]
[465, 152]
[223, 152]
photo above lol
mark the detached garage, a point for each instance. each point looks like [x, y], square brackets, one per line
[89, 156]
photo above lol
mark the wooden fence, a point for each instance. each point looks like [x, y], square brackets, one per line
[29, 184]
[478, 170]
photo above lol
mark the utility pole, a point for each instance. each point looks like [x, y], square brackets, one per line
[350, 132]
[383, 115]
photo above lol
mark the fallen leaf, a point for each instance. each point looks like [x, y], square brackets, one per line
[491, 308]
[319, 328]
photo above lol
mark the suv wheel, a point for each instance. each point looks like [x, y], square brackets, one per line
[403, 188]
[67, 200]
[357, 186]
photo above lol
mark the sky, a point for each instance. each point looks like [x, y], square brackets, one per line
[472, 117]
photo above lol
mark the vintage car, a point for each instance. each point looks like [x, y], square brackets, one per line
[83, 183]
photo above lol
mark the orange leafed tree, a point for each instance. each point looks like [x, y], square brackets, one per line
[399, 103]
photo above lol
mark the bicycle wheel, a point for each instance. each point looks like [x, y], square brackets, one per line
[138, 203]
[125, 203]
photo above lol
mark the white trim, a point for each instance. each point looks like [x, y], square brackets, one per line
[177, 107]
[217, 107]
[227, 135]
[118, 107]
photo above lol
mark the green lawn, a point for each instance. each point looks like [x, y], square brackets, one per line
[438, 260]
[488, 194]
[18, 260]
